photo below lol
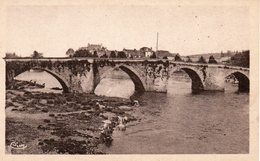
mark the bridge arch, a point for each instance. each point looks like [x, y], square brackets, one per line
[139, 83]
[243, 80]
[196, 82]
[62, 81]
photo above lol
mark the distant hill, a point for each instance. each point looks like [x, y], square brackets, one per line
[165, 53]
[220, 57]
[216, 55]
[235, 58]
[206, 56]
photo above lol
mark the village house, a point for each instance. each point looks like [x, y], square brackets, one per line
[164, 53]
[148, 52]
[10, 55]
[133, 53]
[99, 48]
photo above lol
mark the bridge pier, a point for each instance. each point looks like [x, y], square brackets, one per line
[214, 80]
[157, 74]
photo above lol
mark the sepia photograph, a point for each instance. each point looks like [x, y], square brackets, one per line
[128, 79]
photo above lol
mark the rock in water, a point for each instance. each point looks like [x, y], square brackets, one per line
[121, 127]
[125, 108]
[43, 101]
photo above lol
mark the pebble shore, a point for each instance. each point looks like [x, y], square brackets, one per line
[62, 123]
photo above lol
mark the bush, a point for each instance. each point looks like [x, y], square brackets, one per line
[202, 60]
[82, 53]
[104, 56]
[95, 55]
[212, 60]
[121, 54]
[153, 56]
[113, 54]
[177, 58]
[37, 55]
[189, 59]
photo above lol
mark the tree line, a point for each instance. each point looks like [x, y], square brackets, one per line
[35, 55]
[86, 53]
[239, 59]
[202, 60]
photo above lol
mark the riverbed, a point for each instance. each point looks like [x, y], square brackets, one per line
[56, 123]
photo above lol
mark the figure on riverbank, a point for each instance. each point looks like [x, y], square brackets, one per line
[136, 103]
[106, 133]
[122, 121]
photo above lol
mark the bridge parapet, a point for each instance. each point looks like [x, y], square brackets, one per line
[121, 60]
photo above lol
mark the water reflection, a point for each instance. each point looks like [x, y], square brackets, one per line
[181, 122]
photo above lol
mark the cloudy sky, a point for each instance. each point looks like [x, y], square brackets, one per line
[182, 29]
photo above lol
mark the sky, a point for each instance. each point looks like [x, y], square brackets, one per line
[186, 30]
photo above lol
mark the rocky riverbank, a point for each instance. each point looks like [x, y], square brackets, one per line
[56, 123]
[21, 84]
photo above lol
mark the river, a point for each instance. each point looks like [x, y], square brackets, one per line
[177, 122]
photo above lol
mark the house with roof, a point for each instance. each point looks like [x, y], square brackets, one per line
[164, 53]
[147, 52]
[10, 55]
[133, 53]
[92, 48]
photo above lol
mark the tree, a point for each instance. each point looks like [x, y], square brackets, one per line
[221, 54]
[121, 54]
[153, 56]
[212, 60]
[82, 53]
[104, 56]
[241, 59]
[177, 57]
[36, 55]
[165, 57]
[70, 52]
[189, 59]
[11, 55]
[112, 54]
[202, 60]
[95, 55]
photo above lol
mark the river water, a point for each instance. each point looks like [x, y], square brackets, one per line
[177, 122]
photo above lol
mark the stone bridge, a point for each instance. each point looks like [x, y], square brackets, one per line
[84, 74]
